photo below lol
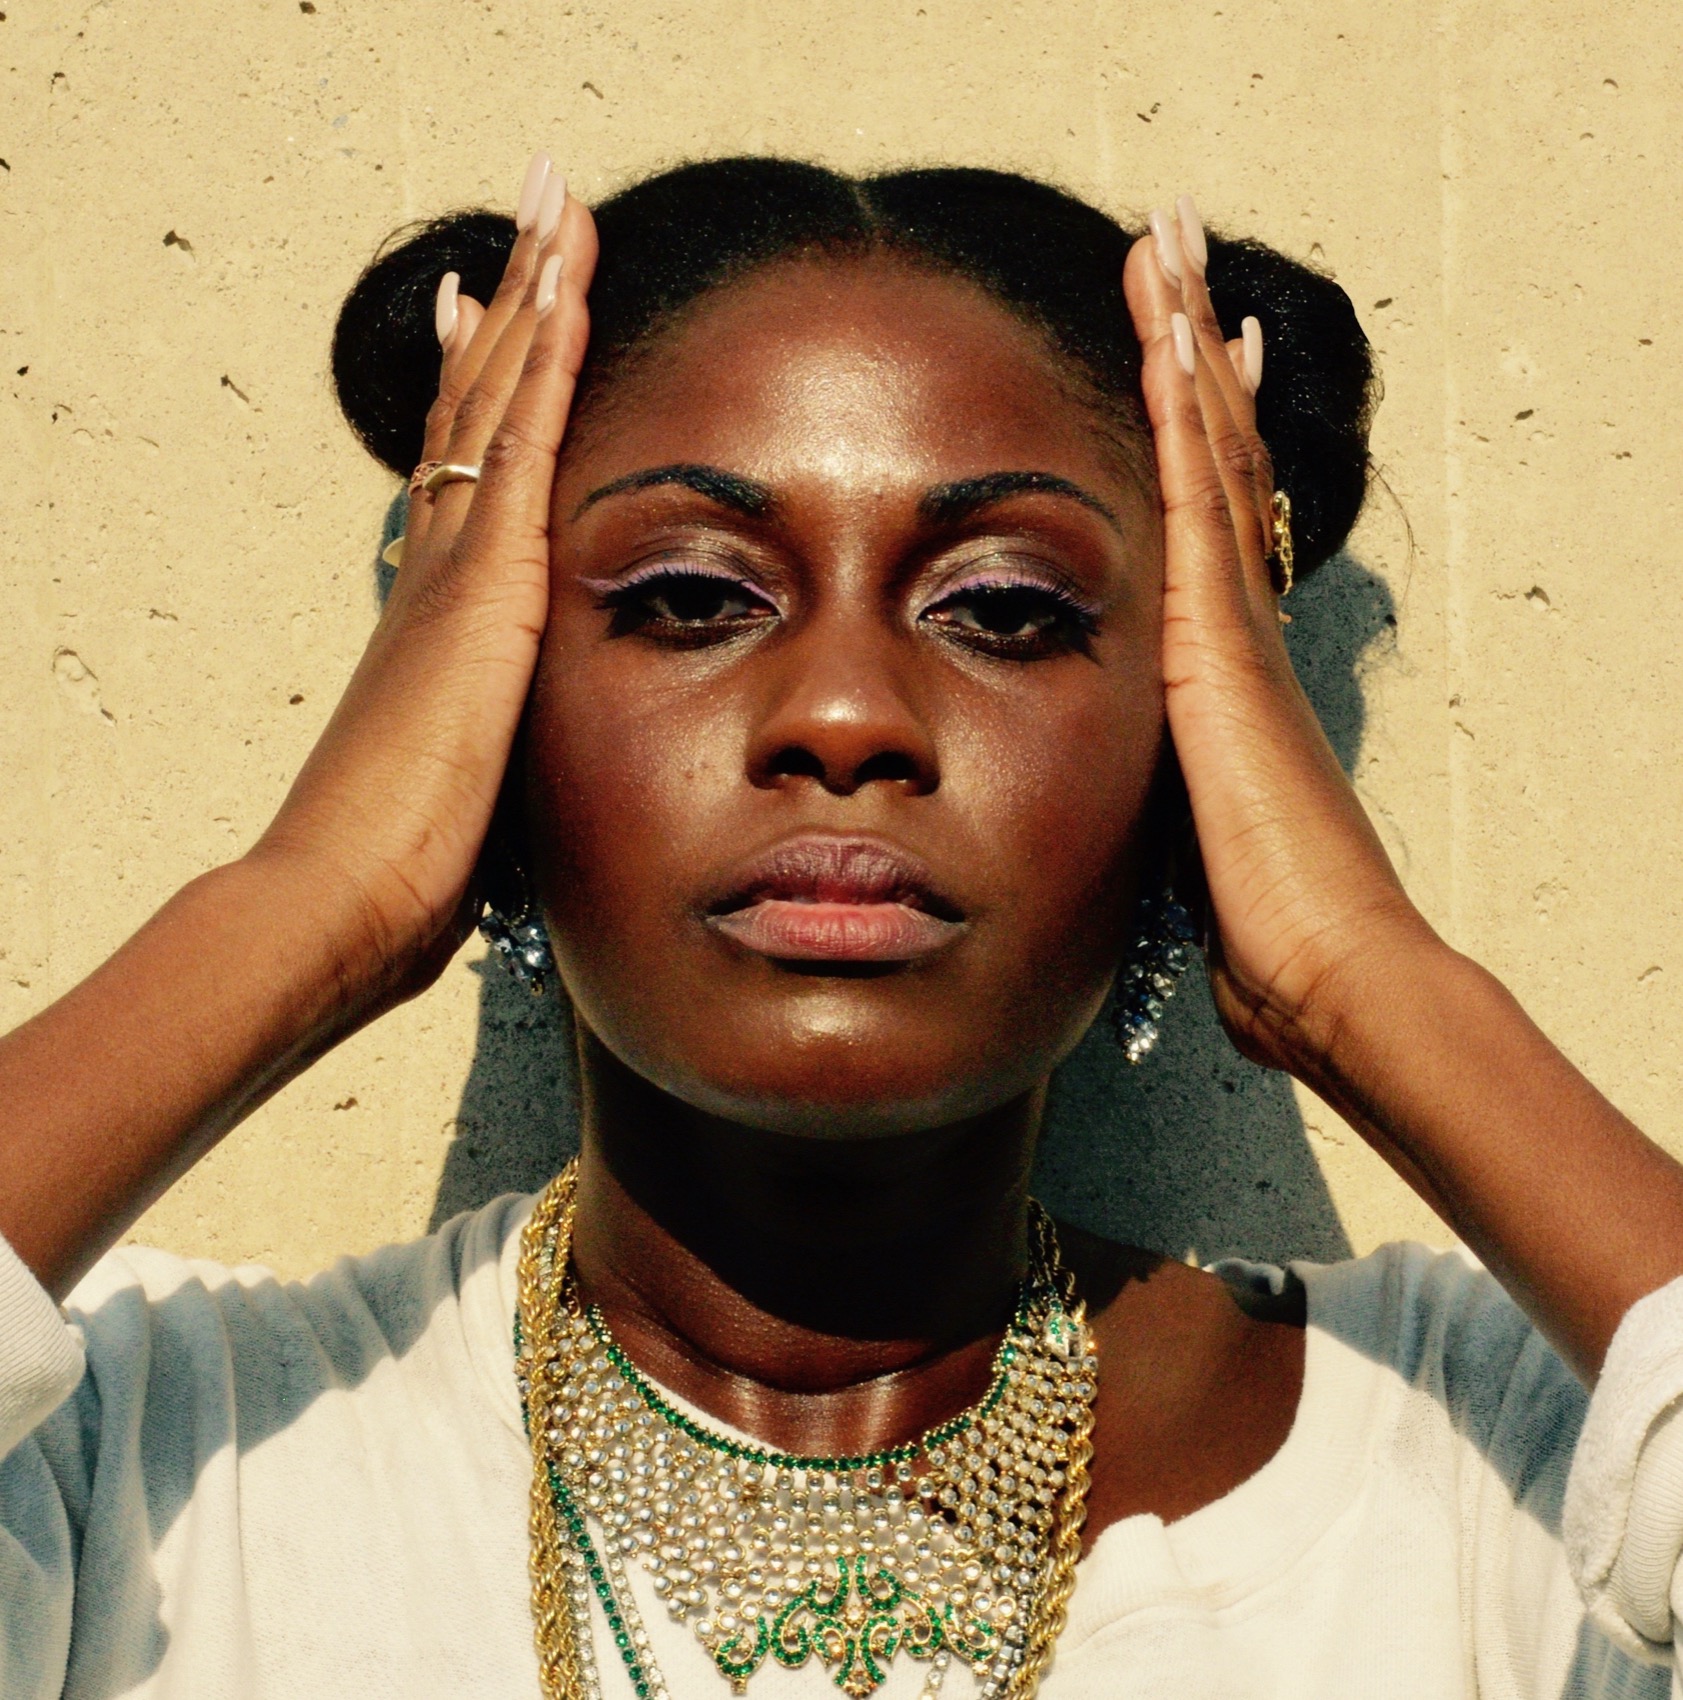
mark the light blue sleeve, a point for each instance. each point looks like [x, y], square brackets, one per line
[41, 1364]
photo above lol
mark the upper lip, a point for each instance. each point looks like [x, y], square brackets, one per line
[824, 868]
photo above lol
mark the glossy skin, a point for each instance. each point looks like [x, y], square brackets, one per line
[803, 1186]
[857, 694]
[856, 691]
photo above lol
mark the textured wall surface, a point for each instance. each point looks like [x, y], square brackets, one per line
[189, 532]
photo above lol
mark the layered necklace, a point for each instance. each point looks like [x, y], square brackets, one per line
[961, 1543]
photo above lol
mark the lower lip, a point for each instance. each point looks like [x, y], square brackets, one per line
[837, 932]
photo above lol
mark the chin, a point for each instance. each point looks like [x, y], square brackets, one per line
[830, 1066]
[840, 1115]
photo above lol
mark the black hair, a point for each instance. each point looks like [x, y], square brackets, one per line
[1051, 259]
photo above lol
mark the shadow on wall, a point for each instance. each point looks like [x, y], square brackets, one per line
[1195, 1150]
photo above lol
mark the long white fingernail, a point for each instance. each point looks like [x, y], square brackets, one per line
[554, 198]
[531, 191]
[549, 280]
[1168, 244]
[444, 308]
[1192, 242]
[1251, 331]
[1180, 330]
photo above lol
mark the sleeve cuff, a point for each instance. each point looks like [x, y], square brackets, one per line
[41, 1355]
[1623, 1517]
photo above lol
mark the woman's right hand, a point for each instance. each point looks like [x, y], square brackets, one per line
[363, 886]
[390, 812]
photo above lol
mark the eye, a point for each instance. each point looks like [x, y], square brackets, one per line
[685, 605]
[1017, 619]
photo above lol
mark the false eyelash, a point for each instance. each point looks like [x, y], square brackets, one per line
[1084, 612]
[611, 591]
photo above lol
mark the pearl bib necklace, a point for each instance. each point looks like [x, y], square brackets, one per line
[961, 1543]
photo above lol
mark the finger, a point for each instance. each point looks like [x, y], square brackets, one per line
[543, 194]
[1195, 289]
[1246, 472]
[1236, 388]
[578, 244]
[498, 352]
[460, 325]
[511, 501]
[1232, 418]
[1207, 579]
[1244, 353]
[483, 405]
[1241, 462]
[510, 436]
[470, 346]
[555, 287]
[1250, 375]
[1236, 355]
[1250, 344]
[573, 238]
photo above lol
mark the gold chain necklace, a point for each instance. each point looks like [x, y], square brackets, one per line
[962, 1543]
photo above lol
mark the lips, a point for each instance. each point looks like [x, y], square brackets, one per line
[824, 899]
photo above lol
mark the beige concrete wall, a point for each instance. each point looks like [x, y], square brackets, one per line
[188, 530]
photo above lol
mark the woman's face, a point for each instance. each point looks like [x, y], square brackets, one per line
[849, 706]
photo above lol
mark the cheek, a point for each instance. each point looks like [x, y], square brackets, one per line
[637, 793]
[1056, 790]
[626, 775]
[636, 789]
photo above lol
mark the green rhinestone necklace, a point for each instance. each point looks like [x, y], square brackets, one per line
[960, 1543]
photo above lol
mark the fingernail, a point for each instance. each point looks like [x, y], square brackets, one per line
[550, 203]
[1180, 328]
[1168, 244]
[1251, 331]
[531, 191]
[549, 280]
[1192, 242]
[444, 309]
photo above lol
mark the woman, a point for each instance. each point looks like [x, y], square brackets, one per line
[839, 641]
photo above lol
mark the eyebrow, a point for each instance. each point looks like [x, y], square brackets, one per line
[942, 504]
[950, 504]
[729, 489]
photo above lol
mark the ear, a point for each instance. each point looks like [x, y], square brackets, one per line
[1171, 832]
[501, 876]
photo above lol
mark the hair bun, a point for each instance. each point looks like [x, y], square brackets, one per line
[385, 350]
[1318, 389]
[1053, 259]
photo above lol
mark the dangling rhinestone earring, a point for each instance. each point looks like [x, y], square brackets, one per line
[522, 944]
[1160, 954]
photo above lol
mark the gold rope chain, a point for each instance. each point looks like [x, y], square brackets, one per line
[563, 1567]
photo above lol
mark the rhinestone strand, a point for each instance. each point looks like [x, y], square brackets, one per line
[953, 1543]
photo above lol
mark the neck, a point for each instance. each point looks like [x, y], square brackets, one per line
[825, 1295]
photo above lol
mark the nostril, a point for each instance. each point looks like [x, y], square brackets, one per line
[891, 766]
[793, 762]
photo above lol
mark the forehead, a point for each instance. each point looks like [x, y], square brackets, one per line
[868, 372]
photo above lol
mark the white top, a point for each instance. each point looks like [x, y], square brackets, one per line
[219, 1484]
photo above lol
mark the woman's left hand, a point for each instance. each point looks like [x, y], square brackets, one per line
[1319, 962]
[1301, 894]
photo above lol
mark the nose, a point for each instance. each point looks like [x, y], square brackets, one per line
[841, 711]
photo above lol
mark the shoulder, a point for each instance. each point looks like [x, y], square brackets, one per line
[1439, 1321]
[1407, 1353]
[383, 1279]
[155, 1324]
[1448, 1380]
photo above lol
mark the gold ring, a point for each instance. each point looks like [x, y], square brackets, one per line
[1283, 555]
[1282, 558]
[449, 473]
